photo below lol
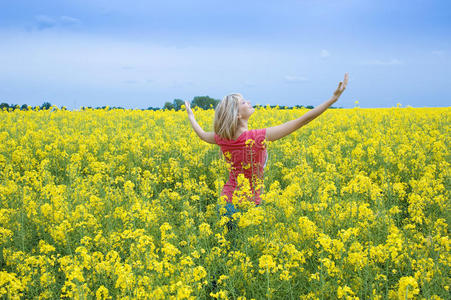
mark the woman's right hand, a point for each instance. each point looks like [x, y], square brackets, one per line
[188, 109]
[341, 87]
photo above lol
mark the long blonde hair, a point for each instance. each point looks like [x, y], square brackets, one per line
[226, 116]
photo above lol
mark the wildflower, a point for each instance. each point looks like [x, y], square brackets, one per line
[344, 292]
[266, 263]
[408, 288]
[199, 273]
[102, 293]
[205, 230]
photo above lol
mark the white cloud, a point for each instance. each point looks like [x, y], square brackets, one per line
[438, 52]
[393, 61]
[324, 53]
[66, 20]
[105, 64]
[45, 22]
[289, 78]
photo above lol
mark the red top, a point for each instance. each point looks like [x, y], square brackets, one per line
[247, 155]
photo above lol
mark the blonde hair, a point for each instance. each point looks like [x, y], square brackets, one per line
[226, 116]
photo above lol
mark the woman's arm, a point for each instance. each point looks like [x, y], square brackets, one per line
[280, 131]
[208, 137]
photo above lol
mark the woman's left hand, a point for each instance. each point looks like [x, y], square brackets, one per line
[341, 87]
[188, 109]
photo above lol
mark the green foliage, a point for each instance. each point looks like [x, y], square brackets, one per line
[46, 105]
[12, 107]
[204, 102]
[168, 105]
[177, 103]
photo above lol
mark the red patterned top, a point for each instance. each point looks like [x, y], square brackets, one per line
[247, 155]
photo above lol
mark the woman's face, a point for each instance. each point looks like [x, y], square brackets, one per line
[245, 109]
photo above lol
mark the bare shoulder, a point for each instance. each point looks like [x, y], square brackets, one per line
[209, 137]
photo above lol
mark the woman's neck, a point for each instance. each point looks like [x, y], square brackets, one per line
[242, 127]
[242, 123]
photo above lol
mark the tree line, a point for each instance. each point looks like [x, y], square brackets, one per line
[6, 106]
[204, 102]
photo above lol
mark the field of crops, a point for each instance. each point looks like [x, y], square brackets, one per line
[113, 204]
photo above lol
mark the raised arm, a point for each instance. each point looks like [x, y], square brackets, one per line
[280, 131]
[208, 137]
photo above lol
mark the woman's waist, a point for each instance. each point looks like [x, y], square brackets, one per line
[248, 172]
[229, 191]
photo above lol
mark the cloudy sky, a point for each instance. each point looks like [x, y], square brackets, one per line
[137, 54]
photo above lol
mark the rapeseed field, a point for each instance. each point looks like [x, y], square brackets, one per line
[124, 204]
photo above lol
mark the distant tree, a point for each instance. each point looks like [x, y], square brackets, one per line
[178, 104]
[204, 102]
[4, 105]
[168, 105]
[46, 105]
[24, 107]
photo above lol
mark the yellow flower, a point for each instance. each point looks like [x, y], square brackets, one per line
[5, 235]
[408, 288]
[102, 293]
[199, 273]
[344, 292]
[10, 285]
[45, 248]
[266, 263]
[285, 275]
[205, 230]
[308, 228]
[221, 294]
[361, 190]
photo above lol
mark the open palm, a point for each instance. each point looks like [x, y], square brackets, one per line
[341, 87]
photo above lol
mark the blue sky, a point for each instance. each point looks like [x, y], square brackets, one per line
[137, 54]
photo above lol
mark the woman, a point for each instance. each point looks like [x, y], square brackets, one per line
[245, 149]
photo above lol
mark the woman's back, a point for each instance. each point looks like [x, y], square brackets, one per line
[246, 155]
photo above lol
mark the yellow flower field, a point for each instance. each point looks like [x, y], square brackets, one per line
[109, 204]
